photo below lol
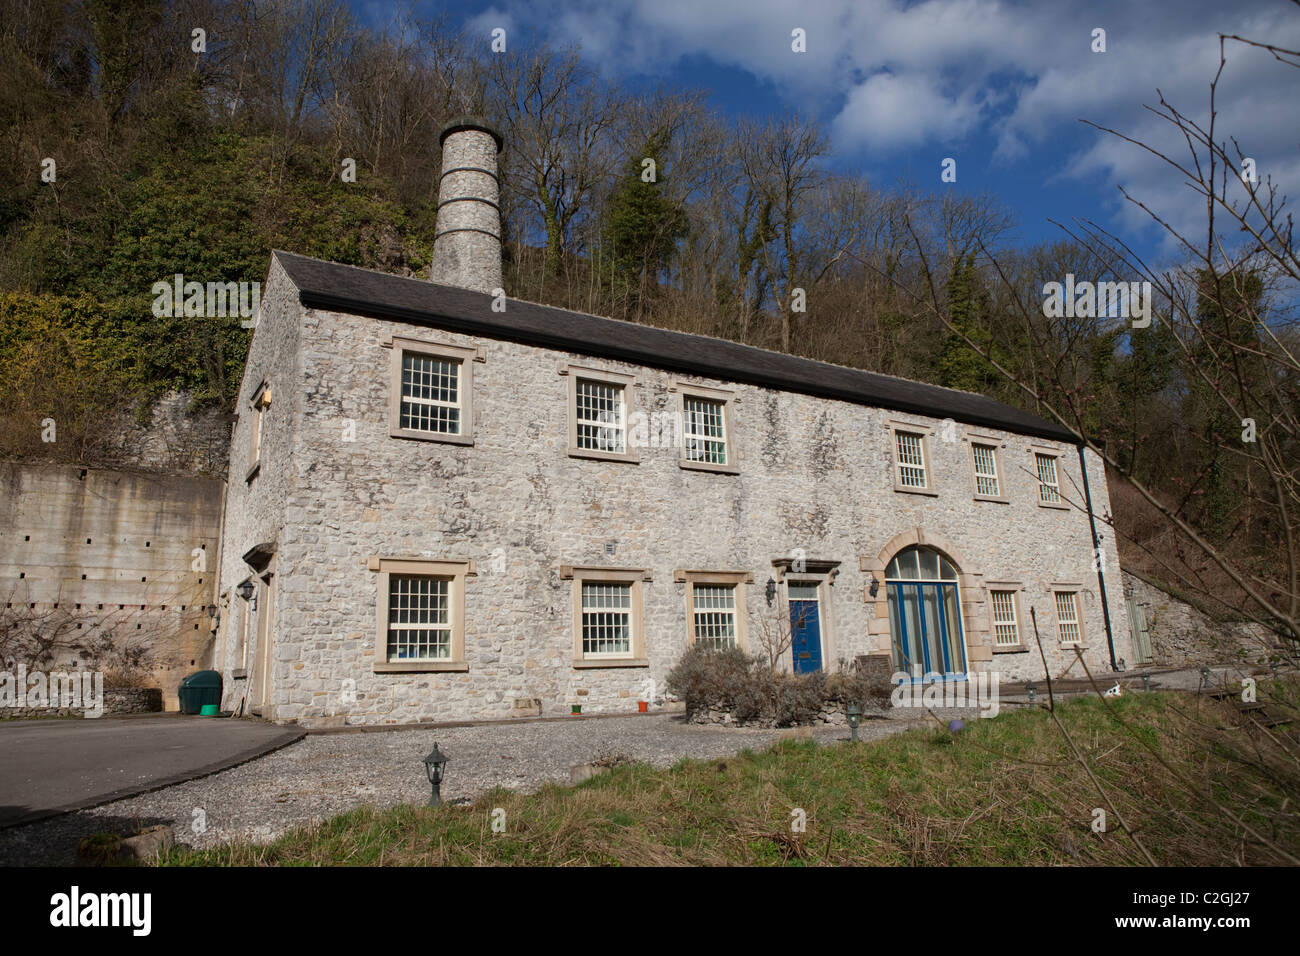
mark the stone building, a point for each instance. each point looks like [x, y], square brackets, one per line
[448, 504]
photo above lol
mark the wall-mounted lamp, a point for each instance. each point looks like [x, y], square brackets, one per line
[875, 586]
[769, 592]
[245, 590]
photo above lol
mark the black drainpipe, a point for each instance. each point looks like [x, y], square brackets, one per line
[1096, 554]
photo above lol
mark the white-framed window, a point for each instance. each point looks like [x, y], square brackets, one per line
[598, 414]
[607, 607]
[1068, 626]
[1049, 489]
[431, 394]
[704, 430]
[984, 458]
[714, 615]
[421, 614]
[909, 460]
[601, 414]
[606, 619]
[715, 607]
[1006, 628]
[419, 618]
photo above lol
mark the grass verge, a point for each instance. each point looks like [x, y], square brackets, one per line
[1198, 782]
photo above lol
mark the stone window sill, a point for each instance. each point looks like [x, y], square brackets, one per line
[687, 463]
[916, 491]
[419, 667]
[252, 472]
[238, 673]
[998, 499]
[446, 438]
[611, 662]
[598, 455]
[1011, 649]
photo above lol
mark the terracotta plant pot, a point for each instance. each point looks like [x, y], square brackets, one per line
[643, 706]
[575, 708]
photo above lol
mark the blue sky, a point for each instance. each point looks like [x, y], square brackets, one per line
[998, 86]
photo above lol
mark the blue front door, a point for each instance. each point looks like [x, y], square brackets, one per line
[806, 636]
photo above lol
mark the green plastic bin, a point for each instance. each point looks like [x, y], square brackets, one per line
[198, 689]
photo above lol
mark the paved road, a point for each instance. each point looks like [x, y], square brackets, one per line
[53, 766]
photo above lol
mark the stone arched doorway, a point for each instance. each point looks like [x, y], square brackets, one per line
[927, 633]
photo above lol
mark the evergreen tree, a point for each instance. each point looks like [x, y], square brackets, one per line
[642, 224]
[959, 365]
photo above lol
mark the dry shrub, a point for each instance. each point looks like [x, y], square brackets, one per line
[751, 691]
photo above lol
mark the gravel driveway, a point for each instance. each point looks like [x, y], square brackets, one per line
[326, 774]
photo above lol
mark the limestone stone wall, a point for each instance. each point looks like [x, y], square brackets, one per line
[815, 480]
[255, 503]
[1181, 635]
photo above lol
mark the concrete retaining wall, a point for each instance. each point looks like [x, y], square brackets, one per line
[108, 569]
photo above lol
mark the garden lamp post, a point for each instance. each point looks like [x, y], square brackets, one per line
[1205, 676]
[854, 713]
[1146, 682]
[1274, 664]
[433, 769]
[1032, 691]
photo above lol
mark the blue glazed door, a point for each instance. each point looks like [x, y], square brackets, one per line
[806, 636]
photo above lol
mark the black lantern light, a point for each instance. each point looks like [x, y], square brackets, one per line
[1205, 676]
[1146, 681]
[1032, 691]
[875, 586]
[854, 713]
[433, 769]
[245, 590]
[770, 591]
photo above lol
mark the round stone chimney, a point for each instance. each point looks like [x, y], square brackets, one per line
[467, 247]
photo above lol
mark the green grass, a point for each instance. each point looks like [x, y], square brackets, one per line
[1006, 791]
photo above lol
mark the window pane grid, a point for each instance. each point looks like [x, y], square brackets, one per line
[1067, 617]
[986, 470]
[430, 394]
[419, 621]
[911, 460]
[606, 619]
[715, 616]
[1006, 632]
[705, 432]
[599, 416]
[1048, 489]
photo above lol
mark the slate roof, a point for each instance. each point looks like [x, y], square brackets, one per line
[328, 285]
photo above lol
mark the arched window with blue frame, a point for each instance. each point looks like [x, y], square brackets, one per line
[925, 614]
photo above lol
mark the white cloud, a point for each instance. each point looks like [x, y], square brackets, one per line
[936, 74]
[897, 111]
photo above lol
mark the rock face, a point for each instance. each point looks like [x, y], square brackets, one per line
[1182, 635]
